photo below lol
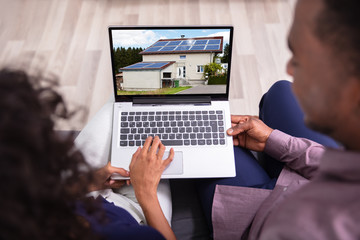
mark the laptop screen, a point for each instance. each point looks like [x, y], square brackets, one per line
[165, 61]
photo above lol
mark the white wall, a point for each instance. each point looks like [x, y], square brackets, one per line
[141, 80]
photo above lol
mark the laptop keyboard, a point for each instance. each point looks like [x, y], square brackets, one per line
[174, 128]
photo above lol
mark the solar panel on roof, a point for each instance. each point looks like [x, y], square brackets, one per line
[214, 41]
[182, 48]
[164, 49]
[152, 49]
[198, 47]
[137, 65]
[212, 47]
[187, 42]
[174, 43]
[158, 44]
[200, 42]
[157, 65]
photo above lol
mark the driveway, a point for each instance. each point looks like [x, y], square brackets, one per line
[201, 89]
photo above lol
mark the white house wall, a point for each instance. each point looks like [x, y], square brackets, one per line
[141, 80]
[191, 62]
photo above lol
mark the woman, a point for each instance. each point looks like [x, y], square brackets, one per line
[44, 178]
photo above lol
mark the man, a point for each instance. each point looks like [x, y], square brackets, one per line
[316, 194]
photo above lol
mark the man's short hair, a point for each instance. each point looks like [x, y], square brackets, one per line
[338, 26]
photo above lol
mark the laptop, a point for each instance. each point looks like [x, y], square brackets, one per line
[173, 82]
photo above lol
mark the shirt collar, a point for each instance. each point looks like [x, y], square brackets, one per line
[341, 164]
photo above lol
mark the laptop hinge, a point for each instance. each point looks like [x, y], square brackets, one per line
[203, 100]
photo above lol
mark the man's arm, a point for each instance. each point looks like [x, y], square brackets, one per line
[301, 155]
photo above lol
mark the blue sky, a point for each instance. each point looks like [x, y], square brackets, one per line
[145, 38]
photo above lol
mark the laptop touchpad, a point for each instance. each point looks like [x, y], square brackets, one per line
[176, 166]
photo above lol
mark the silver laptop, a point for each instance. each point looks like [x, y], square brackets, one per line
[173, 82]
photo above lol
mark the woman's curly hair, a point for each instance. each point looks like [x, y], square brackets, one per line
[39, 170]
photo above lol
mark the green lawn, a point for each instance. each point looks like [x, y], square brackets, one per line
[162, 91]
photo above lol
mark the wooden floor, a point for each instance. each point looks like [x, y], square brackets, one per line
[68, 38]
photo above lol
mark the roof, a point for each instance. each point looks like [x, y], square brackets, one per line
[148, 66]
[186, 45]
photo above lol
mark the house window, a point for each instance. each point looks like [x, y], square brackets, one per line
[199, 68]
[166, 74]
[182, 56]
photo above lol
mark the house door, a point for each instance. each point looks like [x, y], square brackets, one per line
[181, 71]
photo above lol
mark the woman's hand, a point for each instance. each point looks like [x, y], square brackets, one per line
[249, 132]
[102, 178]
[147, 166]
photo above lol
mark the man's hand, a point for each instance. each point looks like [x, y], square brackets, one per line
[249, 132]
[103, 178]
[147, 166]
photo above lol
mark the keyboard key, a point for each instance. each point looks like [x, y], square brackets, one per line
[221, 123]
[125, 130]
[193, 142]
[123, 137]
[173, 124]
[171, 136]
[222, 141]
[133, 130]
[192, 136]
[178, 117]
[211, 112]
[199, 135]
[145, 113]
[124, 119]
[130, 118]
[141, 130]
[207, 135]
[164, 136]
[186, 136]
[152, 124]
[171, 118]
[212, 117]
[172, 142]
[161, 130]
[124, 113]
[146, 124]
[137, 136]
[137, 118]
[123, 143]
[131, 143]
[215, 141]
[138, 113]
[186, 142]
[151, 113]
[220, 117]
[178, 136]
[132, 124]
[143, 136]
[175, 130]
[147, 130]
[138, 124]
[208, 142]
[132, 113]
[124, 124]
[219, 112]
[201, 142]
[138, 143]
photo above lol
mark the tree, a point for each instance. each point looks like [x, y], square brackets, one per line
[211, 69]
[225, 58]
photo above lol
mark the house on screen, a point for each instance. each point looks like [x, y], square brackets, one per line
[169, 62]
